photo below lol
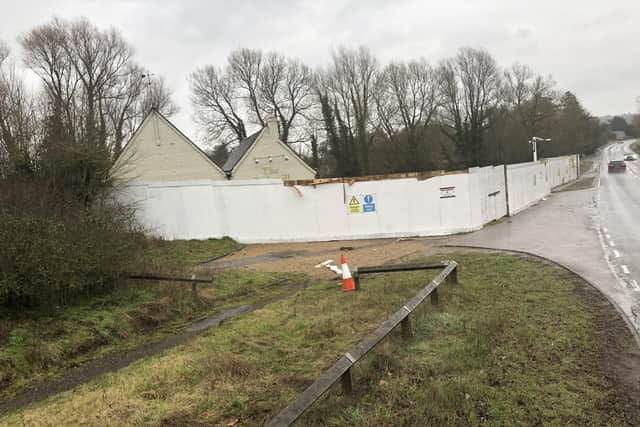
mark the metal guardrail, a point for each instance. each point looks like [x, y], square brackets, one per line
[341, 370]
[193, 279]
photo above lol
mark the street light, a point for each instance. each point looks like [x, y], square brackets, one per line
[534, 142]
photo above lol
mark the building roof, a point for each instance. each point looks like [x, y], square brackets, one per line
[239, 151]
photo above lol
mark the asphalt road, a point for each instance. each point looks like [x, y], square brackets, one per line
[618, 201]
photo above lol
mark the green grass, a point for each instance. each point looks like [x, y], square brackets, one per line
[37, 346]
[636, 147]
[188, 252]
[514, 344]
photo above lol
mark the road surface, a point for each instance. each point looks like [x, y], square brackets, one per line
[618, 201]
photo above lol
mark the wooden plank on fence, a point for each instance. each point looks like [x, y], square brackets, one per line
[152, 276]
[401, 267]
[312, 393]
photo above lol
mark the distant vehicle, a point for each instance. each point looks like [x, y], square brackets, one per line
[629, 157]
[617, 166]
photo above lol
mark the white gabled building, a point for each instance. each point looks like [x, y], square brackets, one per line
[159, 152]
[262, 155]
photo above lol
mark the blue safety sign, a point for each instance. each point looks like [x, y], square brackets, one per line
[369, 204]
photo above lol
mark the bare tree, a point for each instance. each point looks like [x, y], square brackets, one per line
[530, 96]
[247, 88]
[407, 99]
[346, 94]
[129, 101]
[470, 85]
[4, 52]
[218, 104]
[285, 90]
[44, 54]
[244, 68]
[18, 120]
[96, 94]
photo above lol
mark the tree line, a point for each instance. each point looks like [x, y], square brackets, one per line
[357, 115]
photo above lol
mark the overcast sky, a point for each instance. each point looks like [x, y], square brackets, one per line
[591, 48]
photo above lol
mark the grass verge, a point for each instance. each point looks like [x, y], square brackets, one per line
[40, 344]
[636, 147]
[180, 253]
[515, 343]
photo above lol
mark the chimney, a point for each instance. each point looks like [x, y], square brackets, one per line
[272, 125]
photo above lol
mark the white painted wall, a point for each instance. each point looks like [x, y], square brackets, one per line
[529, 182]
[491, 192]
[561, 170]
[256, 211]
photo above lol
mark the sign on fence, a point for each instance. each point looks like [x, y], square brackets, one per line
[361, 203]
[447, 192]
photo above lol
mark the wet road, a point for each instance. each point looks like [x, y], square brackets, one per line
[618, 201]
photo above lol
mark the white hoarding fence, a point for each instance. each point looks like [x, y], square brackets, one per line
[269, 211]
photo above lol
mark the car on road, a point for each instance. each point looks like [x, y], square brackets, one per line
[617, 166]
[629, 157]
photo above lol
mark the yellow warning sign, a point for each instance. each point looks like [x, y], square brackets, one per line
[354, 207]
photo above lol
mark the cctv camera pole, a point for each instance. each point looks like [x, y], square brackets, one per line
[534, 142]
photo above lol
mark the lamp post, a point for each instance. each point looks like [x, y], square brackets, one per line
[534, 142]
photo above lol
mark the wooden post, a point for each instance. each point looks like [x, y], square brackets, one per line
[405, 324]
[347, 384]
[356, 278]
[434, 297]
[193, 284]
[452, 278]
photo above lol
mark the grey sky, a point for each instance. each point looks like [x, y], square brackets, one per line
[591, 48]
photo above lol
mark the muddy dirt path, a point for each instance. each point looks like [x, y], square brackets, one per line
[303, 257]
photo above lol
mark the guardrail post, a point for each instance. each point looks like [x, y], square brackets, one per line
[452, 278]
[405, 324]
[193, 284]
[347, 384]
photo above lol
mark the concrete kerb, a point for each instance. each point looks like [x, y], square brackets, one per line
[627, 321]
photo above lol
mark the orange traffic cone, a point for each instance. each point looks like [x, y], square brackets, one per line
[347, 281]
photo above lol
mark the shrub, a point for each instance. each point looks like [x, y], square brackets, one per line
[55, 249]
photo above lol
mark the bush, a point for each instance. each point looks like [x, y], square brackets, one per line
[55, 249]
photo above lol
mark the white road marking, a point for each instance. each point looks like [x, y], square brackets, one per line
[616, 253]
[634, 283]
[613, 245]
[625, 269]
